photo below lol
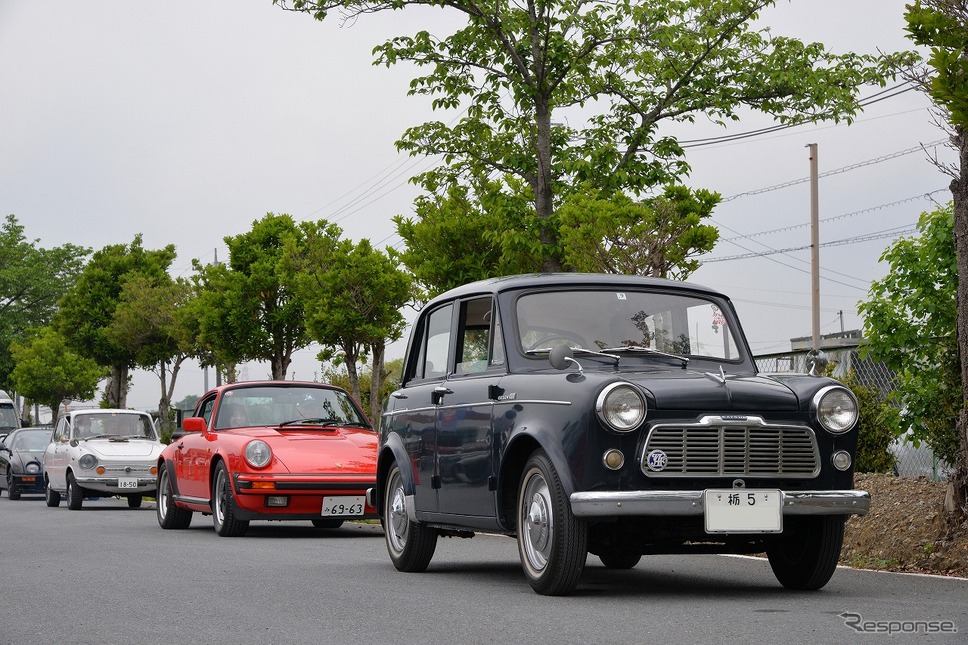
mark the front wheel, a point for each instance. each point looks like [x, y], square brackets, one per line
[51, 496]
[411, 545]
[552, 542]
[327, 524]
[12, 491]
[169, 515]
[134, 501]
[75, 494]
[615, 559]
[806, 559]
[223, 505]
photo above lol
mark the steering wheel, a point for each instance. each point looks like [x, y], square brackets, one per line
[560, 339]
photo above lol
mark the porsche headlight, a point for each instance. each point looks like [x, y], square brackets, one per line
[32, 468]
[87, 461]
[258, 453]
[836, 409]
[621, 407]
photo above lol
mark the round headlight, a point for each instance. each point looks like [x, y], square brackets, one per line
[32, 468]
[87, 461]
[621, 407]
[258, 453]
[836, 409]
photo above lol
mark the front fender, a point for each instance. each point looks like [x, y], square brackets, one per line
[392, 451]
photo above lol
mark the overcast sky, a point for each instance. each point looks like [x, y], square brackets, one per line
[186, 121]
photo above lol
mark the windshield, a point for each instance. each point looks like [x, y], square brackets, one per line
[8, 415]
[113, 425]
[31, 440]
[674, 323]
[276, 405]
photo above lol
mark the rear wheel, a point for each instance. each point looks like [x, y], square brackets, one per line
[411, 545]
[223, 505]
[51, 496]
[552, 542]
[169, 515]
[807, 558]
[75, 494]
[327, 524]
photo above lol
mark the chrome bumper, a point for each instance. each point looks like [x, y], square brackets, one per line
[690, 502]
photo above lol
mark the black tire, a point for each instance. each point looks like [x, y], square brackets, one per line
[619, 560]
[552, 542]
[12, 491]
[411, 545]
[51, 496]
[134, 501]
[327, 524]
[169, 515]
[807, 558]
[75, 494]
[223, 505]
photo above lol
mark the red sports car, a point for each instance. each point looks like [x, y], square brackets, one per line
[271, 450]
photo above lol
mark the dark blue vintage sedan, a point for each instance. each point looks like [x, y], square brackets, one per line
[22, 461]
[612, 415]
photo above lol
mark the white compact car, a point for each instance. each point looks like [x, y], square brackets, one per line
[101, 453]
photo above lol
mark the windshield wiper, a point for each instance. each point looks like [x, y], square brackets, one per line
[647, 350]
[576, 349]
[313, 421]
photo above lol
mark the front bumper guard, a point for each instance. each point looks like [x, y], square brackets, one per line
[690, 502]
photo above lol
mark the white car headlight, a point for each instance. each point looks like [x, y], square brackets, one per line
[836, 409]
[87, 461]
[621, 407]
[32, 468]
[258, 453]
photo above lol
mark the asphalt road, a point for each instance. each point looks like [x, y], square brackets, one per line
[108, 574]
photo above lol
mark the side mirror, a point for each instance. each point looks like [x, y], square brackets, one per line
[193, 424]
[561, 356]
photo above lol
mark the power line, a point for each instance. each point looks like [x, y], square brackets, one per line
[893, 232]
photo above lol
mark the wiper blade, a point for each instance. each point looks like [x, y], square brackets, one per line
[647, 350]
[313, 421]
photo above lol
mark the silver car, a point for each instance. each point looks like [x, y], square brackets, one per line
[101, 453]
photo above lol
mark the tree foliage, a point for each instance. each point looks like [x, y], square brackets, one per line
[48, 371]
[85, 313]
[910, 326]
[32, 280]
[555, 95]
[246, 311]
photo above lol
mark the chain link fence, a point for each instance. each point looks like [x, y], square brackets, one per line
[910, 460]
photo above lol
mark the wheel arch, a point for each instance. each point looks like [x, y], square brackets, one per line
[392, 452]
[519, 449]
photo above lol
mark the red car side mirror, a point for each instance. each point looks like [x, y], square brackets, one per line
[193, 424]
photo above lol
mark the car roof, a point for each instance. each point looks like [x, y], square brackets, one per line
[538, 280]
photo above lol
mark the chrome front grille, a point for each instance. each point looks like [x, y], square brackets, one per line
[727, 447]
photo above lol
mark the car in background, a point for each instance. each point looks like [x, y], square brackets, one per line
[21, 461]
[9, 414]
[614, 415]
[269, 450]
[101, 453]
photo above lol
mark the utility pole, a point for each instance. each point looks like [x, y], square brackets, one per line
[815, 244]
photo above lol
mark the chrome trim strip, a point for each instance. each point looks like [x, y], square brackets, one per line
[690, 502]
[471, 405]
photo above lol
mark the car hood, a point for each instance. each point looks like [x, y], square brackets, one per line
[130, 448]
[695, 390]
[321, 450]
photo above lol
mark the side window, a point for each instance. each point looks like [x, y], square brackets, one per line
[474, 340]
[63, 430]
[205, 409]
[432, 360]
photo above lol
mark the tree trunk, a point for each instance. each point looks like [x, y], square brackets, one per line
[957, 498]
[116, 390]
[544, 190]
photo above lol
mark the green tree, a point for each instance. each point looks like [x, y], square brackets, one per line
[570, 93]
[32, 280]
[86, 311]
[909, 322]
[877, 427]
[657, 237]
[352, 295]
[48, 371]
[246, 311]
[337, 375]
[150, 323]
[942, 26]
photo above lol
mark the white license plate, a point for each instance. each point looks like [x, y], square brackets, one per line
[127, 483]
[741, 510]
[343, 506]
